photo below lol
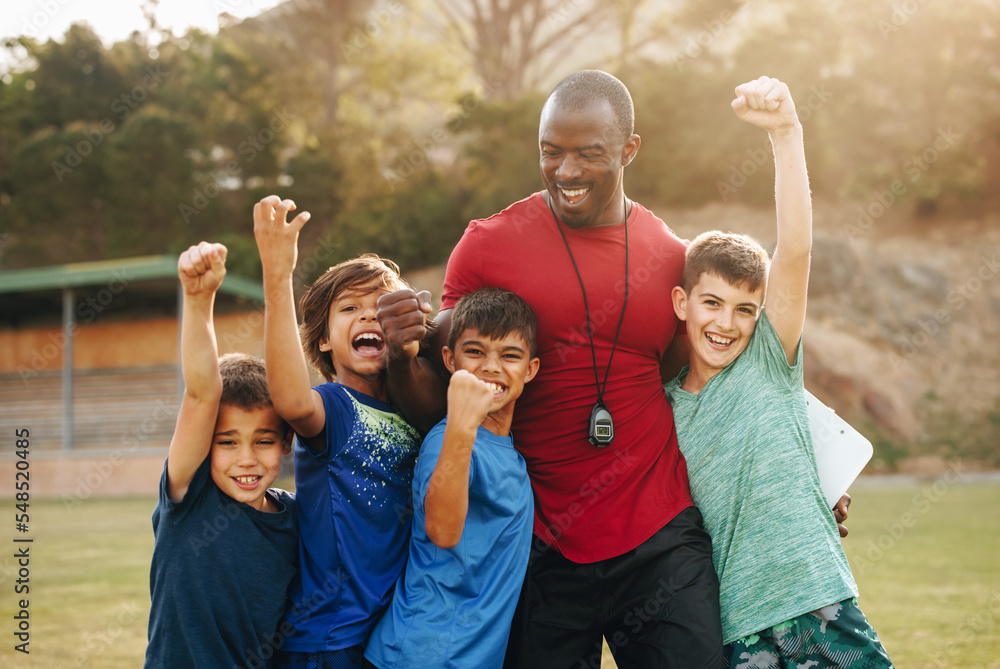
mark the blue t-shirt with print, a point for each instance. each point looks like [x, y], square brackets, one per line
[353, 501]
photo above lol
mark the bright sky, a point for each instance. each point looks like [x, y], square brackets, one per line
[114, 20]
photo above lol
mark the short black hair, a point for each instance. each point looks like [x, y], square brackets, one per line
[494, 313]
[582, 89]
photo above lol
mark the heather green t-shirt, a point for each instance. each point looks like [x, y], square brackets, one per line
[753, 475]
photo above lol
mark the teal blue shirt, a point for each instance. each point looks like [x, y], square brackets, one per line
[452, 606]
[753, 475]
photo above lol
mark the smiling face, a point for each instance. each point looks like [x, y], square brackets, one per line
[354, 339]
[246, 453]
[720, 320]
[582, 157]
[505, 364]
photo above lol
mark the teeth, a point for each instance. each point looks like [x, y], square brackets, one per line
[575, 193]
[720, 340]
[495, 388]
[247, 480]
[369, 336]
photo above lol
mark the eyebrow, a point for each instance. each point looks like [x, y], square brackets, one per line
[479, 344]
[588, 147]
[719, 299]
[230, 433]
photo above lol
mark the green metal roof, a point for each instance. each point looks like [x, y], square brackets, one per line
[105, 271]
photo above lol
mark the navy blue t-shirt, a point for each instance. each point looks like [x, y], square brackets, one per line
[219, 576]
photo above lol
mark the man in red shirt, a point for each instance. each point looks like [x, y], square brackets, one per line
[619, 551]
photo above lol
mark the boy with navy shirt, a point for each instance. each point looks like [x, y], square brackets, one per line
[786, 590]
[472, 501]
[226, 545]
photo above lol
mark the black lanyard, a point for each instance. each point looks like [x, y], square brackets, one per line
[601, 428]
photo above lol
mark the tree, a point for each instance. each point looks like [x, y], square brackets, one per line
[73, 79]
[513, 44]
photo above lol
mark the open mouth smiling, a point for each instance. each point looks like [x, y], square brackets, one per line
[368, 342]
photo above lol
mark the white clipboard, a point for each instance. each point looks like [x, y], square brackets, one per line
[841, 451]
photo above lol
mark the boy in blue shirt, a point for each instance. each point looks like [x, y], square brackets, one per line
[472, 502]
[226, 545]
[786, 590]
[354, 454]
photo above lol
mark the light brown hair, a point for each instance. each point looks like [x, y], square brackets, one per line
[738, 259]
[244, 381]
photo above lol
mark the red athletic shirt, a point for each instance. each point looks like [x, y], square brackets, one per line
[590, 503]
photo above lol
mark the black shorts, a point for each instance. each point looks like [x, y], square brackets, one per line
[657, 605]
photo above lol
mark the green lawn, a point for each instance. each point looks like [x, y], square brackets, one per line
[929, 580]
[927, 562]
[89, 598]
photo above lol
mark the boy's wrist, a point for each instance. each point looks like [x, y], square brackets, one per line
[273, 279]
[200, 297]
[787, 132]
[461, 431]
[277, 269]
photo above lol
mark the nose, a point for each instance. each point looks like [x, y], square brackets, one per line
[370, 314]
[491, 363]
[724, 319]
[246, 456]
[569, 168]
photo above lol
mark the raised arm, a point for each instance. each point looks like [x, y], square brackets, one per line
[446, 503]
[200, 269]
[287, 371]
[417, 384]
[766, 103]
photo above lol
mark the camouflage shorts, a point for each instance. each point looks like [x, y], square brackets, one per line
[838, 635]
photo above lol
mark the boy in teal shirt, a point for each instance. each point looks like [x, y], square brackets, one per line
[786, 590]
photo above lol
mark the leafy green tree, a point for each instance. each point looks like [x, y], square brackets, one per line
[56, 214]
[73, 80]
[148, 174]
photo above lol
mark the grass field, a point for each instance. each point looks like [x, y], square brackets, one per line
[925, 557]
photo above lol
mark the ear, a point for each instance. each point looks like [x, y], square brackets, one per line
[631, 148]
[324, 345]
[449, 359]
[533, 365]
[679, 299]
[286, 443]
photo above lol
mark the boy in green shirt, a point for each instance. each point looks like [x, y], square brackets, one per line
[786, 590]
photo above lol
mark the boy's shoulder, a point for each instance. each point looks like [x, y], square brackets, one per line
[284, 497]
[767, 352]
[762, 367]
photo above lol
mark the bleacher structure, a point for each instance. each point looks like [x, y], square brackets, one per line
[89, 357]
